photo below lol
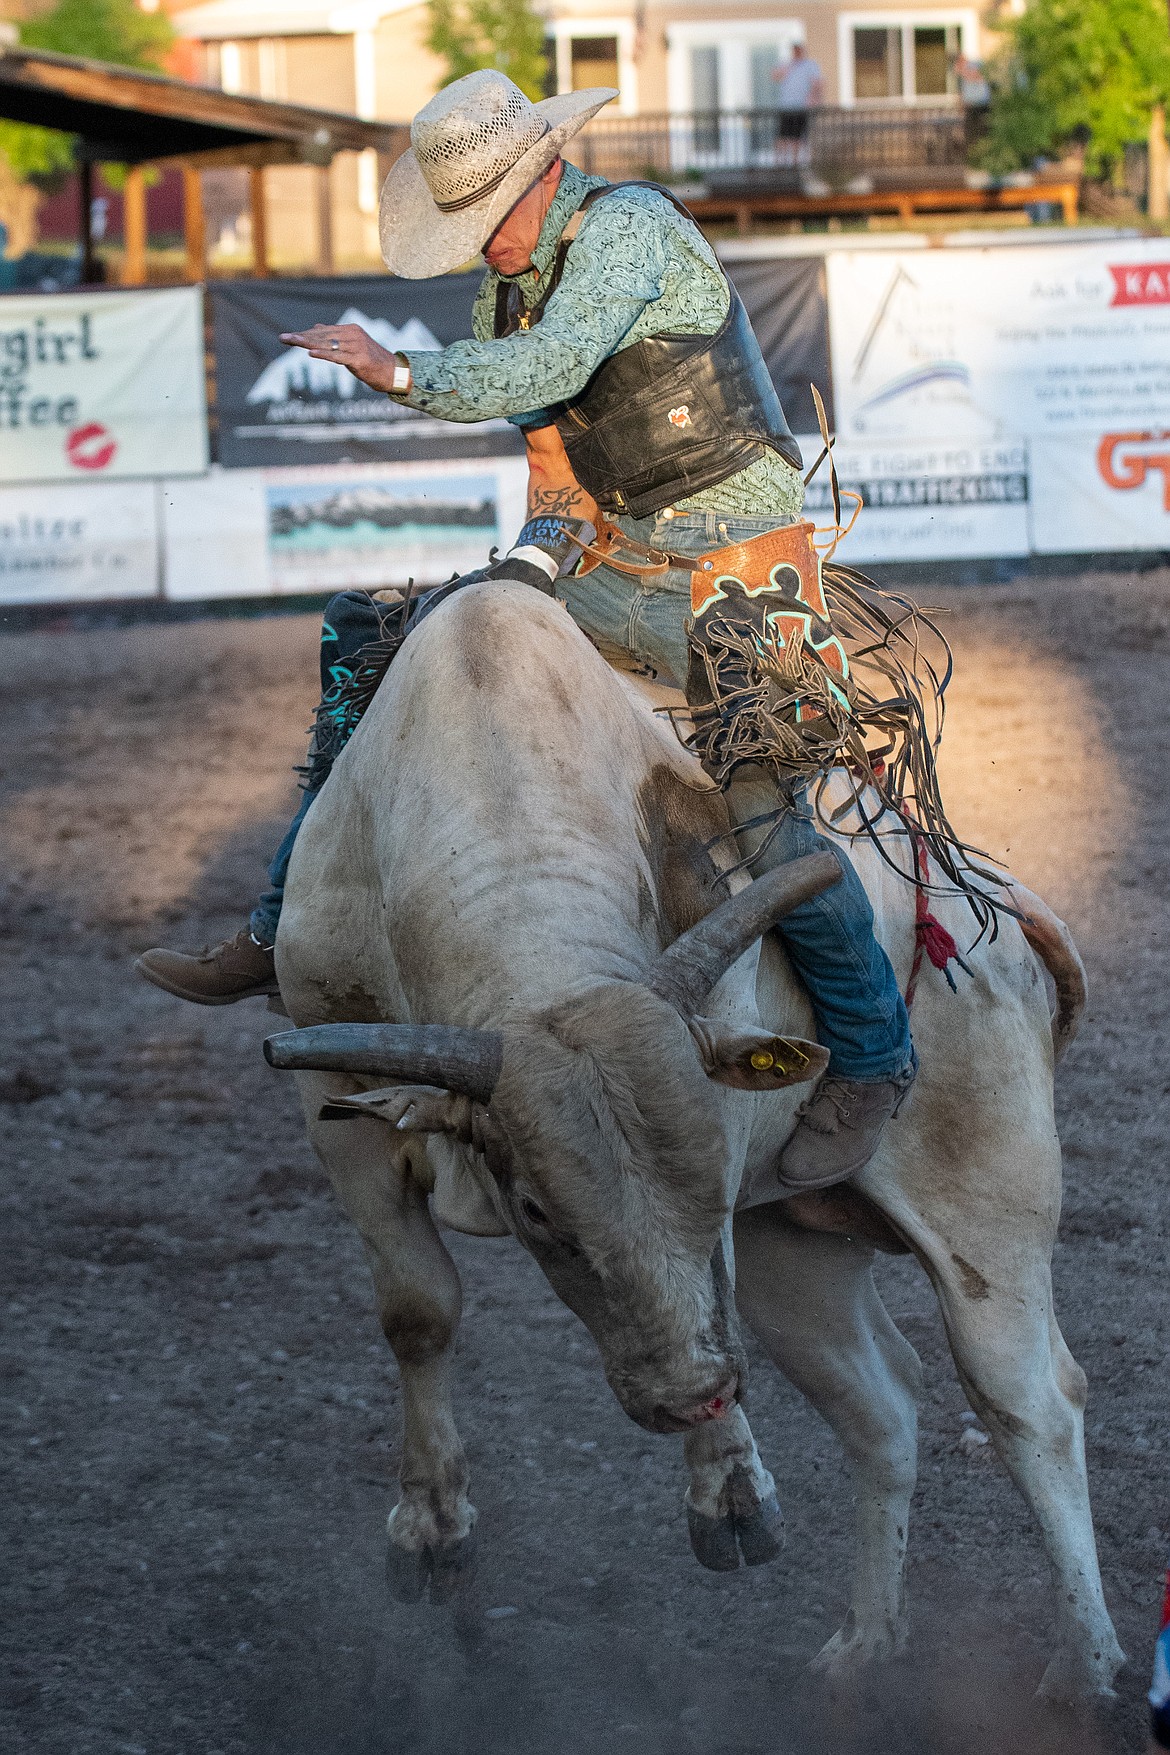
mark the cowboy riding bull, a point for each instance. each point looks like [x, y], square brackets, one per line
[531, 998]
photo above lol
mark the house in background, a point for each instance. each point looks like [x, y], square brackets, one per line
[676, 57]
[670, 57]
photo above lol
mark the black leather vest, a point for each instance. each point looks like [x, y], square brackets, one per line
[669, 415]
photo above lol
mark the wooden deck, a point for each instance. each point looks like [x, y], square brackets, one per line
[746, 208]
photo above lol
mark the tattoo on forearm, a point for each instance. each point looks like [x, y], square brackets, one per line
[556, 502]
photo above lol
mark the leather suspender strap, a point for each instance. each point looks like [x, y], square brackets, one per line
[650, 561]
[512, 313]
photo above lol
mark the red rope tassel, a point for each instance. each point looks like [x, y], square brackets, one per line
[930, 935]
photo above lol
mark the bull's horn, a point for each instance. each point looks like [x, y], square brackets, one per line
[466, 1061]
[688, 969]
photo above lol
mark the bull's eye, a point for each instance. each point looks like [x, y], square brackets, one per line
[534, 1214]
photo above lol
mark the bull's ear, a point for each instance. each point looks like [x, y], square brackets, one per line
[409, 1108]
[755, 1060]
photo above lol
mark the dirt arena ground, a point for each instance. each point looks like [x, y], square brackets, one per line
[200, 1411]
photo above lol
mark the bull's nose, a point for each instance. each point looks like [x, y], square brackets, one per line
[717, 1405]
[713, 1407]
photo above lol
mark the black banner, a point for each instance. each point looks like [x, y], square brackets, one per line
[275, 406]
[786, 299]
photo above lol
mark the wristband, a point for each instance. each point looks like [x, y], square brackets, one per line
[402, 379]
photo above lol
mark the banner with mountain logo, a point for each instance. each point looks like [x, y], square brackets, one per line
[276, 406]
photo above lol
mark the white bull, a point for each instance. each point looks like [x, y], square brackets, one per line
[500, 861]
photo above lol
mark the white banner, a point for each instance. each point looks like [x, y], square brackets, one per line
[58, 545]
[980, 344]
[287, 532]
[952, 500]
[1096, 493]
[102, 384]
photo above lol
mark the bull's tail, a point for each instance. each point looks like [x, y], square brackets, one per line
[1053, 943]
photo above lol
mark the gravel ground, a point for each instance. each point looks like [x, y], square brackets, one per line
[203, 1412]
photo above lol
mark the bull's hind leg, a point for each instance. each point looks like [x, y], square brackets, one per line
[431, 1530]
[811, 1302]
[995, 1288]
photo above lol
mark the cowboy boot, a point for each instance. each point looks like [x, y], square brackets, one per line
[838, 1129]
[242, 968]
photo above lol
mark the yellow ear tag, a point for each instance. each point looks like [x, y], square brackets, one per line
[762, 1061]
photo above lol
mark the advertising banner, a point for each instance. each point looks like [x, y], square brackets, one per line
[1096, 493]
[95, 385]
[59, 545]
[276, 406]
[979, 344]
[239, 533]
[933, 502]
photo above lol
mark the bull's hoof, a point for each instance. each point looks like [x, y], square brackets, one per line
[408, 1571]
[713, 1540]
[443, 1571]
[756, 1535]
[453, 1569]
[761, 1534]
[1075, 1680]
[854, 1651]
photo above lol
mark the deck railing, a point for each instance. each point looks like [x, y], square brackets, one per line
[886, 146]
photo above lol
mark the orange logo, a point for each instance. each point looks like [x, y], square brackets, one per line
[1129, 469]
[680, 416]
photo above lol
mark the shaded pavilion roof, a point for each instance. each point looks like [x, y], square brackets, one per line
[131, 117]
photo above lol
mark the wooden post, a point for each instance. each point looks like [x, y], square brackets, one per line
[324, 221]
[1158, 203]
[1069, 201]
[194, 227]
[259, 221]
[134, 227]
[89, 266]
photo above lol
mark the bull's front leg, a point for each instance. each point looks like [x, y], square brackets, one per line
[732, 1509]
[431, 1540]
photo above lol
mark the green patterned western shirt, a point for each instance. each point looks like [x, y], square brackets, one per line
[637, 267]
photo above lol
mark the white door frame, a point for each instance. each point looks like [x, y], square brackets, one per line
[733, 42]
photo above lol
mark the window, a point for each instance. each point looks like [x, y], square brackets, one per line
[231, 74]
[597, 51]
[877, 63]
[593, 61]
[705, 95]
[765, 62]
[892, 59]
[936, 48]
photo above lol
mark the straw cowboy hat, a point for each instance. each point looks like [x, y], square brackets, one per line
[475, 149]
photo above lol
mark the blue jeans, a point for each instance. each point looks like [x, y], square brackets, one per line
[860, 1015]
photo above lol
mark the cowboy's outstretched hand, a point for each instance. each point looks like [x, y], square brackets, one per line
[350, 346]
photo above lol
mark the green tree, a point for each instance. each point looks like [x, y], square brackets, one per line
[99, 30]
[1072, 71]
[508, 34]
